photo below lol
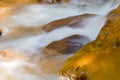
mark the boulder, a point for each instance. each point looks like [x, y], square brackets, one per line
[67, 45]
[98, 60]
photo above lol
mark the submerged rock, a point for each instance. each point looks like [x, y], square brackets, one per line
[67, 46]
[0, 33]
[100, 58]
[74, 21]
[52, 1]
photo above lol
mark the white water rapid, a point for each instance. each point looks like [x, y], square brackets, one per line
[22, 38]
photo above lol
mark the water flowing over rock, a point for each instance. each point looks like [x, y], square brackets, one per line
[99, 59]
[74, 21]
[68, 45]
[37, 36]
[52, 1]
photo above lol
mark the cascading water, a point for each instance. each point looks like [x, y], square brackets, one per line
[23, 37]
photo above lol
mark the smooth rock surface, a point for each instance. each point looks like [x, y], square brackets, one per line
[74, 22]
[68, 45]
[99, 60]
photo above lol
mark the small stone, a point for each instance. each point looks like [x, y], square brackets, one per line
[0, 33]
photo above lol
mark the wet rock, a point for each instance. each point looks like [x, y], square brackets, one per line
[101, 57]
[10, 55]
[0, 33]
[82, 78]
[74, 21]
[116, 43]
[52, 1]
[23, 2]
[68, 45]
[18, 2]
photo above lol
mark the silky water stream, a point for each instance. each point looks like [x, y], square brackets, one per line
[24, 35]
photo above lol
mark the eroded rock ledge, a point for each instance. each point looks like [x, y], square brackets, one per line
[100, 59]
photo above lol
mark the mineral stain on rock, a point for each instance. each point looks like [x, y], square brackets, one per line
[116, 43]
[82, 78]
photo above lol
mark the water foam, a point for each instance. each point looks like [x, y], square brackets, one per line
[38, 15]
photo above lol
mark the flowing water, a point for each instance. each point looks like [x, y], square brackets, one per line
[23, 39]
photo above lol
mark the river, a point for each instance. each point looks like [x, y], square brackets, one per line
[23, 38]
